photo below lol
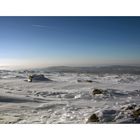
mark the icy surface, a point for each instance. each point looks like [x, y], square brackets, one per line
[68, 98]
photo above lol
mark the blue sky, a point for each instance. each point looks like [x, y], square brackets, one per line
[70, 41]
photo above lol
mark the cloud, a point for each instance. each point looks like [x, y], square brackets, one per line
[44, 27]
[40, 26]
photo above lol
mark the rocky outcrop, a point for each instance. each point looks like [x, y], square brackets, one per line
[36, 77]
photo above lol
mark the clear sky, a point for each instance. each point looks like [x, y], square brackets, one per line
[69, 41]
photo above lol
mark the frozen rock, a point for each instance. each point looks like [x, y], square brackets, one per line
[89, 81]
[36, 77]
[93, 118]
[97, 91]
[136, 113]
[131, 107]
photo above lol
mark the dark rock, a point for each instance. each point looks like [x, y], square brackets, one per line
[131, 107]
[93, 118]
[89, 81]
[136, 113]
[79, 80]
[97, 91]
[36, 77]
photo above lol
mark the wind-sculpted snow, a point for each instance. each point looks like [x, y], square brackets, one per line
[69, 98]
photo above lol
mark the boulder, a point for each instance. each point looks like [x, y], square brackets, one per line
[36, 77]
[97, 91]
[136, 113]
[93, 118]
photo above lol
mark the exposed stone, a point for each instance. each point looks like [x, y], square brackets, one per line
[36, 77]
[136, 113]
[131, 107]
[79, 80]
[97, 91]
[89, 81]
[93, 118]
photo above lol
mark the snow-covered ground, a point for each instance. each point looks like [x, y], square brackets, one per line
[68, 98]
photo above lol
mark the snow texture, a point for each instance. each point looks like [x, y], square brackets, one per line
[68, 98]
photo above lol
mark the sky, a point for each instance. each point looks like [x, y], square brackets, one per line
[69, 41]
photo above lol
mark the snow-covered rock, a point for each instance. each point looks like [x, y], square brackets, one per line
[36, 77]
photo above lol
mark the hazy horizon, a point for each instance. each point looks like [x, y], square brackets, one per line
[59, 66]
[30, 42]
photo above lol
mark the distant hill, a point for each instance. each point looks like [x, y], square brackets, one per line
[116, 69]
